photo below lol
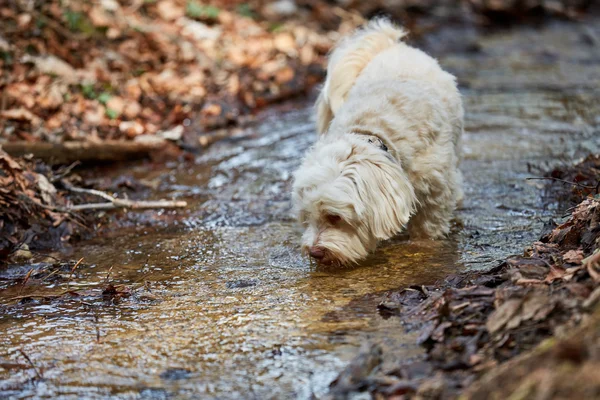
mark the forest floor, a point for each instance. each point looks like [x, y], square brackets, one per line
[176, 70]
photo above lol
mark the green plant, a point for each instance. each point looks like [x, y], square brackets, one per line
[275, 27]
[88, 91]
[193, 9]
[73, 19]
[41, 22]
[7, 57]
[245, 10]
[112, 114]
[78, 22]
[104, 98]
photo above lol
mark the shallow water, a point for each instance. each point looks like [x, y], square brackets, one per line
[224, 306]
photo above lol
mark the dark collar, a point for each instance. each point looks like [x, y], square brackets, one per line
[377, 141]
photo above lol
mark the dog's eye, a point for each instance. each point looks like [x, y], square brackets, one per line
[333, 219]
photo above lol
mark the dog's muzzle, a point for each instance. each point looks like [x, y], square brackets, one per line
[321, 255]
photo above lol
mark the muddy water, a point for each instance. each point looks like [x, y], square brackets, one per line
[223, 304]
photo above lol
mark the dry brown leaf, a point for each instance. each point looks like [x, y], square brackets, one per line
[116, 104]
[284, 75]
[94, 116]
[285, 43]
[20, 114]
[131, 128]
[170, 10]
[22, 93]
[52, 98]
[500, 317]
[132, 109]
[53, 65]
[307, 54]
[556, 272]
[99, 17]
[573, 256]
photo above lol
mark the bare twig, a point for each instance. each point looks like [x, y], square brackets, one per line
[72, 271]
[3, 101]
[94, 192]
[561, 180]
[97, 324]
[108, 274]
[137, 205]
[115, 203]
[37, 372]
[25, 280]
[66, 171]
[41, 296]
[591, 263]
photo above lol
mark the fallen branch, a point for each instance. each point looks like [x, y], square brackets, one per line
[37, 371]
[563, 181]
[115, 203]
[68, 152]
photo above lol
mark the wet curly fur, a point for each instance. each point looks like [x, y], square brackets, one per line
[389, 121]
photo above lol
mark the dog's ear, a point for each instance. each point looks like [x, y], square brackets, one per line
[391, 198]
[324, 113]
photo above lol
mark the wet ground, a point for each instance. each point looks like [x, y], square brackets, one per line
[223, 304]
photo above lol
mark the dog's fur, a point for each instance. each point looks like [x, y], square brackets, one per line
[389, 121]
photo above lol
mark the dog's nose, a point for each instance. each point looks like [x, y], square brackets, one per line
[316, 252]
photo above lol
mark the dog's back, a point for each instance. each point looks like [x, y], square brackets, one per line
[378, 85]
[348, 60]
[374, 54]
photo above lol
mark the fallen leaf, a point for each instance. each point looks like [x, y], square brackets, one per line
[47, 190]
[502, 315]
[169, 10]
[52, 65]
[20, 114]
[173, 134]
[573, 256]
[131, 128]
[116, 103]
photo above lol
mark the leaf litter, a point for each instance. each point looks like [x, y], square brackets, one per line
[473, 322]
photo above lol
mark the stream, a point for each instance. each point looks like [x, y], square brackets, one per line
[223, 303]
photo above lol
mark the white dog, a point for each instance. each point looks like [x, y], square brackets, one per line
[389, 122]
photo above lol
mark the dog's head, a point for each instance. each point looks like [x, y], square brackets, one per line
[350, 193]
